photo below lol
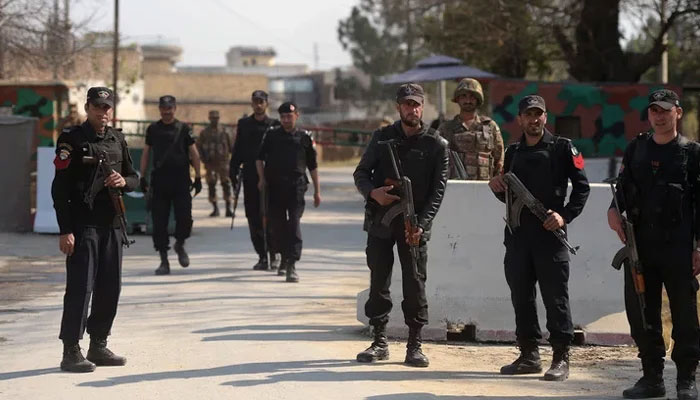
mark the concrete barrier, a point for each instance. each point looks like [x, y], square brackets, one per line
[45, 218]
[17, 134]
[466, 282]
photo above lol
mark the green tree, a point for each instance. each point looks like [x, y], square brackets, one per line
[588, 35]
[502, 37]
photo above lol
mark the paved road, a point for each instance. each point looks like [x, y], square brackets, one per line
[218, 329]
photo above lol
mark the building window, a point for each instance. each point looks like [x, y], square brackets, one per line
[568, 126]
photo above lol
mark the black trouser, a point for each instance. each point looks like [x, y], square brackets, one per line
[380, 260]
[668, 264]
[93, 270]
[165, 194]
[251, 198]
[286, 201]
[533, 255]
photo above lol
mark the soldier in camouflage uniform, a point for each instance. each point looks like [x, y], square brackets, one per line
[70, 120]
[214, 146]
[474, 138]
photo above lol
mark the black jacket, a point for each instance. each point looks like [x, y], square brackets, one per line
[424, 158]
[658, 187]
[73, 177]
[249, 136]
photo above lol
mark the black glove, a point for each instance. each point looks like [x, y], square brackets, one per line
[143, 184]
[197, 185]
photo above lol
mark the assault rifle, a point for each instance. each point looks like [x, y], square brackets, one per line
[264, 210]
[523, 198]
[104, 170]
[629, 255]
[236, 194]
[407, 206]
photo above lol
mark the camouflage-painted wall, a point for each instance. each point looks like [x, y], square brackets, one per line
[43, 102]
[610, 114]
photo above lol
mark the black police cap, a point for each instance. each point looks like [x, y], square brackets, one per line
[100, 95]
[167, 101]
[287, 107]
[259, 94]
[410, 91]
[664, 98]
[531, 101]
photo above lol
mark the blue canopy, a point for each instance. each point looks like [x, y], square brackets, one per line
[437, 68]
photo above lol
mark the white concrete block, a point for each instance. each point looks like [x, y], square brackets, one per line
[466, 282]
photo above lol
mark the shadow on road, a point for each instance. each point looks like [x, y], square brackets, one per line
[430, 396]
[287, 333]
[6, 376]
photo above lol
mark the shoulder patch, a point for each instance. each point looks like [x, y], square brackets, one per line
[577, 158]
[63, 156]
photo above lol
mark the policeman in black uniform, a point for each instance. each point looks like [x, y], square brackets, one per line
[658, 190]
[544, 163]
[173, 150]
[423, 155]
[90, 235]
[285, 154]
[249, 136]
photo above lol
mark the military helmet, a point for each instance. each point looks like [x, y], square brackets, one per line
[469, 85]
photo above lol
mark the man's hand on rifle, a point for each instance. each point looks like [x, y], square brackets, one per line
[115, 180]
[554, 221]
[66, 243]
[317, 199]
[498, 184]
[414, 239]
[143, 184]
[382, 196]
[615, 224]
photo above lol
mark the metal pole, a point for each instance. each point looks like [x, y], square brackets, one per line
[442, 104]
[115, 59]
[663, 67]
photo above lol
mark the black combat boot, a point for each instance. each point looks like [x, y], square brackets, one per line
[685, 381]
[274, 261]
[99, 354]
[651, 384]
[292, 273]
[214, 213]
[164, 267]
[378, 350]
[559, 370]
[73, 360]
[261, 265]
[528, 362]
[182, 256]
[229, 212]
[414, 354]
[282, 268]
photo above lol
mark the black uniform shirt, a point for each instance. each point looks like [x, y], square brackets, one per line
[249, 136]
[73, 177]
[160, 136]
[287, 155]
[545, 169]
[665, 195]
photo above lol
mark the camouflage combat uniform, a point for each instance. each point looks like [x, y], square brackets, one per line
[479, 145]
[214, 145]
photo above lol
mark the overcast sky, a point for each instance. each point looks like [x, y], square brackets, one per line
[205, 29]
